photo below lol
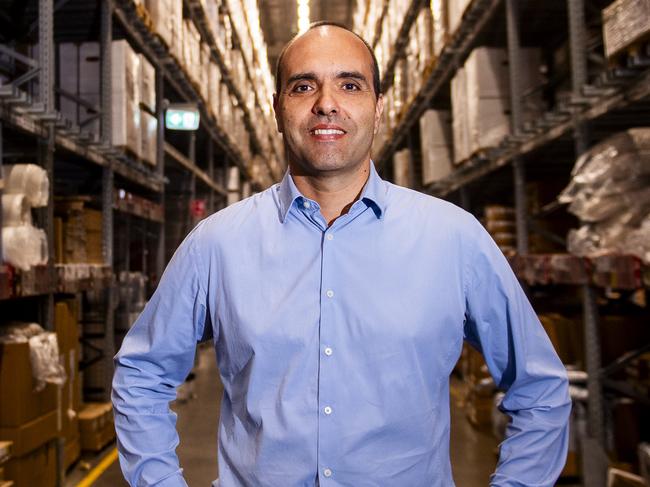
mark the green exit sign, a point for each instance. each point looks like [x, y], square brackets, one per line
[182, 117]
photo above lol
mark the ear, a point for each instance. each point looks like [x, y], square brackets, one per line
[276, 111]
[379, 109]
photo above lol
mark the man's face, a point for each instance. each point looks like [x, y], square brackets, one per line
[326, 109]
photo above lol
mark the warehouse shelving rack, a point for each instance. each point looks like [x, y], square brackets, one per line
[616, 90]
[36, 118]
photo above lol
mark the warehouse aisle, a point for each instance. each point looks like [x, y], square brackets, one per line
[472, 451]
[197, 426]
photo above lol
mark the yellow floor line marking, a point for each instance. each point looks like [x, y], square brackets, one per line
[99, 469]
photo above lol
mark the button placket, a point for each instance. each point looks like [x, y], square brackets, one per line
[327, 366]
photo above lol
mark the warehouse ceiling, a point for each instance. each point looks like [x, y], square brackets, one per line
[279, 22]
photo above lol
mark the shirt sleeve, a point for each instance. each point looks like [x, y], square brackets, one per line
[155, 358]
[501, 323]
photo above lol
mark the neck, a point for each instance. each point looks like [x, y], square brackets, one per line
[335, 193]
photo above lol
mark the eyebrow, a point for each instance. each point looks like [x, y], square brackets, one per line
[311, 76]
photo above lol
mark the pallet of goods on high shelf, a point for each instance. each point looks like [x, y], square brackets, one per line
[402, 168]
[77, 232]
[626, 29]
[436, 145]
[133, 95]
[30, 376]
[610, 193]
[500, 224]
[23, 245]
[167, 23]
[480, 93]
[75, 278]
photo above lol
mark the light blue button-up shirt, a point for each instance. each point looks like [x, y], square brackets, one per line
[335, 346]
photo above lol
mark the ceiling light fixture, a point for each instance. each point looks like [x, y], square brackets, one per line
[303, 16]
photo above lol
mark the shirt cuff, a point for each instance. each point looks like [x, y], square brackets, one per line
[175, 480]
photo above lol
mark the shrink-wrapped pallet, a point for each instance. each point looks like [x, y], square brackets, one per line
[126, 97]
[29, 180]
[24, 246]
[609, 192]
[16, 210]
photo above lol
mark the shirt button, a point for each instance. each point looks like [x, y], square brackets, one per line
[328, 351]
[327, 410]
[306, 204]
[330, 293]
[327, 472]
[330, 236]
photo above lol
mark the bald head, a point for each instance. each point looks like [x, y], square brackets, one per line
[372, 60]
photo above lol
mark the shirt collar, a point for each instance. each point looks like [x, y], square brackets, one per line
[373, 194]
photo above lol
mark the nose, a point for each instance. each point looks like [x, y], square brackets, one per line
[325, 103]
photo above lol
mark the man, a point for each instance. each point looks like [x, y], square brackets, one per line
[339, 304]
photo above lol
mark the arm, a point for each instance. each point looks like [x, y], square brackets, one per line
[155, 358]
[501, 323]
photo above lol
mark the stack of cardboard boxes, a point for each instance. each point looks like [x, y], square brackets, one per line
[29, 418]
[67, 330]
[77, 233]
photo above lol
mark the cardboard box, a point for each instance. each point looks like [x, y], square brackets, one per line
[34, 469]
[625, 22]
[66, 327]
[96, 425]
[435, 141]
[71, 452]
[20, 403]
[402, 164]
[149, 137]
[147, 83]
[32, 435]
[125, 96]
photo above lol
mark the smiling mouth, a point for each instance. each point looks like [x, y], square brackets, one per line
[327, 134]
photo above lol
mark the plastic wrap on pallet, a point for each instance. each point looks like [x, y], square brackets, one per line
[16, 210]
[30, 180]
[149, 137]
[43, 351]
[609, 191]
[24, 247]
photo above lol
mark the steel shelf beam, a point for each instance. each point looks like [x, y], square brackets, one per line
[187, 163]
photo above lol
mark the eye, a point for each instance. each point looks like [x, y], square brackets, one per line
[351, 87]
[302, 88]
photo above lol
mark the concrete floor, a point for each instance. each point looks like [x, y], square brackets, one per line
[472, 452]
